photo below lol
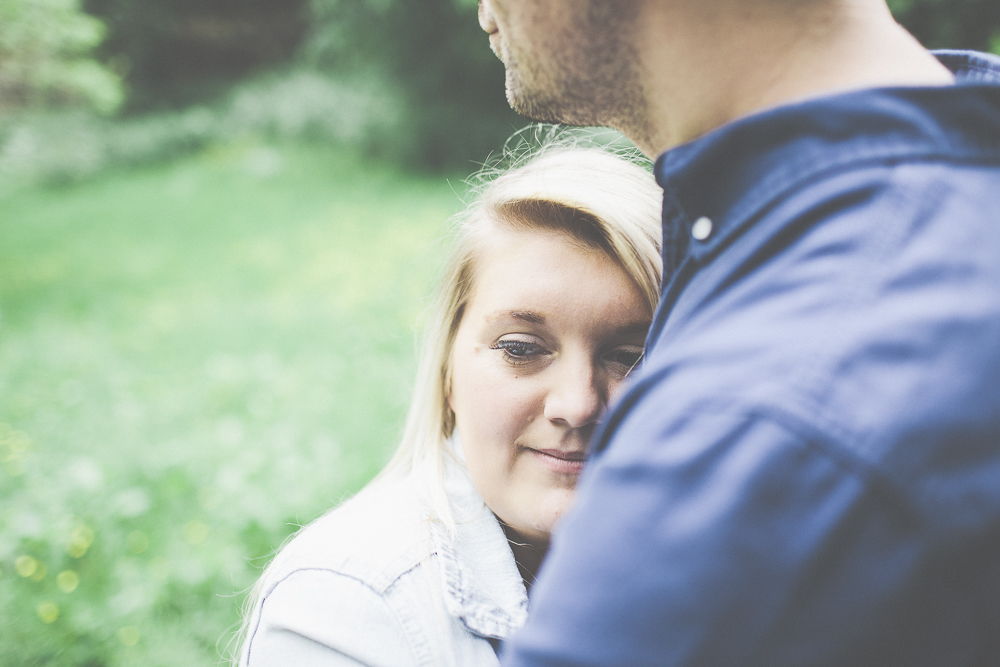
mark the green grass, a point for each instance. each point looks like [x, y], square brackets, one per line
[194, 358]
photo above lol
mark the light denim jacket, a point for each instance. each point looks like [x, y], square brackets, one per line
[376, 583]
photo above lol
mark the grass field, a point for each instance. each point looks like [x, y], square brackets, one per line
[194, 358]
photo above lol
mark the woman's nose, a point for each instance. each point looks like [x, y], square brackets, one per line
[576, 396]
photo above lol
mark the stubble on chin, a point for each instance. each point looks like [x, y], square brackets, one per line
[587, 76]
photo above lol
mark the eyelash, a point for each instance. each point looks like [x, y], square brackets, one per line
[632, 358]
[521, 352]
[518, 352]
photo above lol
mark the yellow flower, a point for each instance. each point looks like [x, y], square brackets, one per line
[195, 532]
[67, 580]
[129, 635]
[137, 542]
[80, 540]
[26, 566]
[159, 568]
[48, 612]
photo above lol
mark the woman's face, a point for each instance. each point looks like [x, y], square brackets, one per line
[550, 331]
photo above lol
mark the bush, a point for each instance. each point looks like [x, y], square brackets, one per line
[68, 146]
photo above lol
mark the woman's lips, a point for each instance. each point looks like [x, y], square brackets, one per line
[564, 463]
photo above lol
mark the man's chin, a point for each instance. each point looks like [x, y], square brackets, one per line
[529, 106]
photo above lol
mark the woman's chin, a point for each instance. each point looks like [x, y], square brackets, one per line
[537, 526]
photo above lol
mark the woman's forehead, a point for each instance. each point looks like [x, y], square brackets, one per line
[537, 276]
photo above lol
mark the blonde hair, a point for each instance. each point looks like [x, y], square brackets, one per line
[593, 196]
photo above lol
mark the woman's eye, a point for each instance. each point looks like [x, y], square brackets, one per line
[519, 351]
[626, 358]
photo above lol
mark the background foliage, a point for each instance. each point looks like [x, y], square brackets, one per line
[409, 81]
[217, 226]
[434, 53]
[44, 57]
[951, 24]
[175, 52]
[194, 359]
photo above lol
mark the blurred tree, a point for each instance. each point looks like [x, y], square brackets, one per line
[430, 55]
[175, 52]
[433, 53]
[45, 61]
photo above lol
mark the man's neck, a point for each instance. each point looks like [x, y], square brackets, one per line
[707, 63]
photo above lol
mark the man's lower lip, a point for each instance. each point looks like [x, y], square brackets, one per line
[556, 464]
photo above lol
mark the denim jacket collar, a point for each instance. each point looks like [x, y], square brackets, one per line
[482, 586]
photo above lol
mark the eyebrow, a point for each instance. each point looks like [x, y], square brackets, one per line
[523, 315]
[537, 318]
[635, 328]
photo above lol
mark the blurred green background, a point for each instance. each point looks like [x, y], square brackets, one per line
[219, 223]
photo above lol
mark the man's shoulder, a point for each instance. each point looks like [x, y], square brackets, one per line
[862, 312]
[374, 537]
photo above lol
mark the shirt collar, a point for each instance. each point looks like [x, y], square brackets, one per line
[735, 171]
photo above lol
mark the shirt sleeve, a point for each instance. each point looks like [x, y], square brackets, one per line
[320, 618]
[724, 537]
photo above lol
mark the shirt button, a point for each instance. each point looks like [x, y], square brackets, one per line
[701, 229]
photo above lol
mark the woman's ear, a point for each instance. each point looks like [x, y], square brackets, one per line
[446, 388]
[449, 420]
[449, 409]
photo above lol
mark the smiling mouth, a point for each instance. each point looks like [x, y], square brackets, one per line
[564, 463]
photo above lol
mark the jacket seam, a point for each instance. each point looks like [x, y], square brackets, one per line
[408, 630]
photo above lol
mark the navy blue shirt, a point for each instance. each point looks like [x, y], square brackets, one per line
[807, 469]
